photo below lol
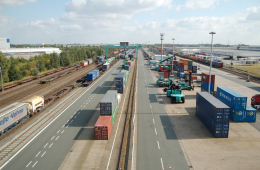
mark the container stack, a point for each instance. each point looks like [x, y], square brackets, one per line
[205, 82]
[213, 113]
[120, 82]
[129, 63]
[240, 111]
[126, 75]
[180, 69]
[194, 69]
[108, 109]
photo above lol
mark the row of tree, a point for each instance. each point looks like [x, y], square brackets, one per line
[17, 68]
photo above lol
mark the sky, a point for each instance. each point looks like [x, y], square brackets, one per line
[134, 21]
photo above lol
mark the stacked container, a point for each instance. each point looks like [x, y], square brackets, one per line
[213, 113]
[180, 69]
[126, 75]
[120, 82]
[205, 82]
[238, 103]
[194, 69]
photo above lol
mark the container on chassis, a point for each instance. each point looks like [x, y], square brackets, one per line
[218, 130]
[90, 61]
[97, 71]
[11, 115]
[106, 66]
[84, 63]
[120, 88]
[120, 78]
[213, 107]
[237, 115]
[127, 67]
[108, 103]
[103, 127]
[231, 98]
[250, 114]
[91, 76]
[34, 103]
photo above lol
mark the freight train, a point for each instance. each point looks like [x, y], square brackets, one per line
[16, 112]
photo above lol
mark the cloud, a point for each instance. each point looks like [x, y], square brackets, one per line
[193, 4]
[70, 28]
[107, 9]
[14, 2]
[3, 20]
[254, 14]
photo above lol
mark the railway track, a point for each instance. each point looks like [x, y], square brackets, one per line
[10, 148]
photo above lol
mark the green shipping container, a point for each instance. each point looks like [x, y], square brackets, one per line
[207, 61]
[114, 113]
[190, 62]
[123, 66]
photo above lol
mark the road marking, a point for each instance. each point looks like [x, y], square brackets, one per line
[43, 154]
[75, 113]
[153, 121]
[115, 134]
[150, 106]
[45, 145]
[58, 131]
[29, 164]
[37, 154]
[156, 133]
[162, 164]
[67, 126]
[50, 145]
[62, 132]
[158, 144]
[63, 126]
[52, 137]
[71, 116]
[34, 164]
[52, 120]
[71, 121]
[67, 120]
[57, 138]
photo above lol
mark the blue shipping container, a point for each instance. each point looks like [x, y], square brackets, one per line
[214, 128]
[189, 67]
[181, 75]
[120, 78]
[250, 114]
[205, 86]
[97, 71]
[237, 115]
[214, 108]
[194, 69]
[127, 67]
[231, 98]
[91, 76]
[106, 66]
[225, 130]
[101, 59]
[180, 69]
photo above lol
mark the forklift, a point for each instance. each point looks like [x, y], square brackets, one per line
[161, 82]
[175, 92]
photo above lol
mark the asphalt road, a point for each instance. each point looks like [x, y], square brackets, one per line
[157, 144]
[49, 149]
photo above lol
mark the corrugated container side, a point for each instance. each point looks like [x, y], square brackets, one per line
[205, 77]
[205, 86]
[103, 127]
[250, 114]
[194, 69]
[231, 98]
[237, 115]
[107, 104]
[189, 67]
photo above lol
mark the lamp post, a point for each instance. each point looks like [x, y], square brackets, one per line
[172, 54]
[210, 60]
[161, 34]
[2, 80]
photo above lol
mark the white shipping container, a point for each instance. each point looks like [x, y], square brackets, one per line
[185, 67]
[34, 103]
[11, 115]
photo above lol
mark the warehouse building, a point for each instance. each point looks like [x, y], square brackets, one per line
[4, 43]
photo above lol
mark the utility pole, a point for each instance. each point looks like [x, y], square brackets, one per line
[172, 54]
[162, 34]
[210, 60]
[2, 80]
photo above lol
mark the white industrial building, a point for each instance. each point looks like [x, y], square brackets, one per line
[4, 43]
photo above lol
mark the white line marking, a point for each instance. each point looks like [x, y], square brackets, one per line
[116, 134]
[28, 164]
[37, 154]
[153, 121]
[50, 145]
[63, 126]
[57, 138]
[62, 132]
[58, 131]
[43, 154]
[75, 113]
[162, 164]
[71, 117]
[150, 106]
[52, 120]
[67, 126]
[67, 120]
[52, 137]
[158, 144]
[45, 145]
[156, 133]
[34, 164]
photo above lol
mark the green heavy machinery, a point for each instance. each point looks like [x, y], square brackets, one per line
[175, 93]
[161, 82]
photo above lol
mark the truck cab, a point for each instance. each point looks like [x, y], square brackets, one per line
[255, 100]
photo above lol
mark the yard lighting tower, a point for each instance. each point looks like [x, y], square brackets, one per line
[2, 80]
[161, 34]
[172, 54]
[210, 60]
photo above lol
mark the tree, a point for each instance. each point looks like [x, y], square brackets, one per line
[14, 73]
[4, 64]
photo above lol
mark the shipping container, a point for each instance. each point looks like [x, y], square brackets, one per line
[90, 61]
[219, 64]
[129, 63]
[180, 69]
[166, 74]
[185, 67]
[205, 77]
[213, 107]
[84, 63]
[97, 71]
[189, 67]
[214, 128]
[103, 127]
[194, 69]
[250, 114]
[120, 88]
[106, 66]
[231, 98]
[91, 76]
[237, 115]
[190, 62]
[205, 86]
[114, 112]
[11, 115]
[204, 90]
[108, 103]
[127, 67]
[180, 64]
[120, 78]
